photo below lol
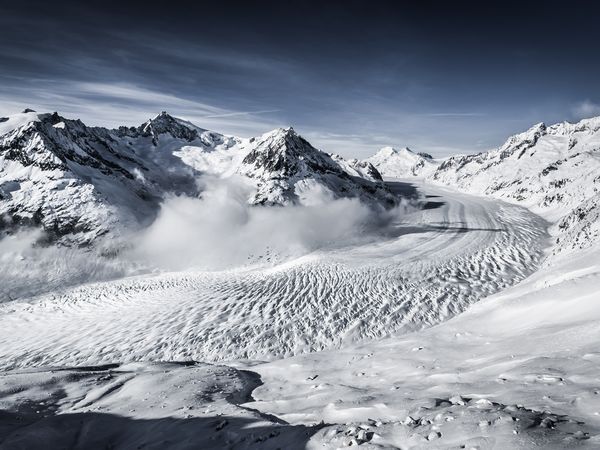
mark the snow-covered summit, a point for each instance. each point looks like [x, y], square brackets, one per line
[284, 153]
[164, 126]
[9, 123]
[164, 123]
[287, 169]
[403, 162]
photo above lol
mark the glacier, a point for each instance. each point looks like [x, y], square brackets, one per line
[168, 286]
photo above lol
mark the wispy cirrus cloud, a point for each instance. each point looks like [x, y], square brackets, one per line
[114, 104]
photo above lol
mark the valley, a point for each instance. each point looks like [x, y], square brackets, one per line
[209, 291]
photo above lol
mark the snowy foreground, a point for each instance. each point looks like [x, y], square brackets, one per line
[517, 370]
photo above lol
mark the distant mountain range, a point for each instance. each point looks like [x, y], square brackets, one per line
[553, 170]
[79, 183]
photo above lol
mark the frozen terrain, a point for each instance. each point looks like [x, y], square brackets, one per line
[517, 371]
[276, 296]
[552, 170]
[428, 266]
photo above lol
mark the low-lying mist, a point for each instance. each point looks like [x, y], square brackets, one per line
[27, 268]
[218, 231]
[221, 230]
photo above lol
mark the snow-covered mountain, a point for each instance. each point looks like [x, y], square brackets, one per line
[517, 370]
[357, 167]
[553, 170]
[79, 182]
[287, 169]
[402, 163]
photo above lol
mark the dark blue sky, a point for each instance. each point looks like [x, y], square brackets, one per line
[352, 76]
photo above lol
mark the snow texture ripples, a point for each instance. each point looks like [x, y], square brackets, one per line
[433, 265]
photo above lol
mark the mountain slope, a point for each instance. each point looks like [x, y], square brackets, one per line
[80, 182]
[287, 169]
[553, 170]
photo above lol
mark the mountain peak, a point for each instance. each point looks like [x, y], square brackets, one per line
[282, 149]
[164, 115]
[288, 169]
[52, 118]
[522, 141]
[540, 126]
[387, 151]
[164, 123]
[284, 132]
[402, 162]
[390, 151]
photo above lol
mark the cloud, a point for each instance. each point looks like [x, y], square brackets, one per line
[28, 268]
[220, 230]
[585, 109]
[115, 104]
[241, 113]
[139, 95]
[454, 114]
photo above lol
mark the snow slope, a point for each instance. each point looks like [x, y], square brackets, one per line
[402, 163]
[9, 123]
[516, 371]
[553, 170]
[427, 266]
[158, 405]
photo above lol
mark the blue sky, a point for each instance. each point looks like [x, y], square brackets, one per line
[353, 76]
